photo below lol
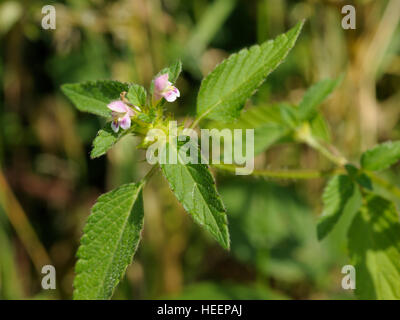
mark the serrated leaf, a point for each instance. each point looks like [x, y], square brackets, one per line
[381, 156]
[224, 91]
[105, 139]
[194, 187]
[336, 195]
[111, 237]
[314, 96]
[137, 95]
[173, 73]
[93, 97]
[374, 247]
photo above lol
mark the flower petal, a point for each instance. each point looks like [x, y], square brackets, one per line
[131, 112]
[118, 106]
[160, 83]
[115, 125]
[178, 94]
[171, 95]
[125, 122]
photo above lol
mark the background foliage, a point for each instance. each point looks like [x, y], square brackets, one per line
[48, 182]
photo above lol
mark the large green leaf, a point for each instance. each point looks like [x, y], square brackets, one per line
[93, 97]
[110, 239]
[194, 187]
[381, 156]
[225, 90]
[374, 246]
[314, 96]
[336, 195]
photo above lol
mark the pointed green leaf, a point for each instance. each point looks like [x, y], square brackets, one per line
[314, 96]
[137, 95]
[224, 91]
[194, 187]
[93, 97]
[105, 139]
[336, 195]
[374, 246]
[110, 239]
[381, 156]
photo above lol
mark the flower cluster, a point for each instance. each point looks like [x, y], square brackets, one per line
[122, 113]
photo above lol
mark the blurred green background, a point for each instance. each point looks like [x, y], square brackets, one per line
[48, 183]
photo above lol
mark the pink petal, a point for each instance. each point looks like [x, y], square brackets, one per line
[161, 82]
[118, 106]
[178, 94]
[171, 95]
[115, 126]
[125, 122]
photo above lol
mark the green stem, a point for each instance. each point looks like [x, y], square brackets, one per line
[194, 123]
[384, 184]
[149, 174]
[283, 174]
[338, 160]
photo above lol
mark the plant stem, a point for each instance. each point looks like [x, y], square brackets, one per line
[149, 174]
[338, 160]
[384, 184]
[283, 174]
[194, 123]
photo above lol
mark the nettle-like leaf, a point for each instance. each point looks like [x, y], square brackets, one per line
[110, 239]
[336, 196]
[381, 156]
[93, 96]
[173, 73]
[137, 95]
[374, 246]
[315, 96]
[194, 187]
[224, 91]
[105, 139]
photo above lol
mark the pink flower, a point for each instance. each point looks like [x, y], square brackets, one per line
[121, 115]
[164, 88]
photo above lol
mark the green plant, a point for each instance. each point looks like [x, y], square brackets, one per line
[112, 233]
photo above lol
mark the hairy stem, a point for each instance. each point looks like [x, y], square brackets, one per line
[149, 174]
[284, 174]
[338, 160]
[384, 184]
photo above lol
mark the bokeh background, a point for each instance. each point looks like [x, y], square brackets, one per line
[48, 183]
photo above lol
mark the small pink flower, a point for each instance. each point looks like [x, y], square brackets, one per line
[164, 88]
[121, 115]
